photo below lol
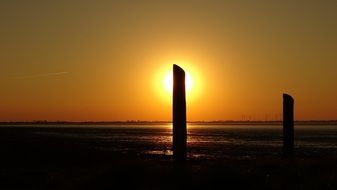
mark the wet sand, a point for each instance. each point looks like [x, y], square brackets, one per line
[53, 162]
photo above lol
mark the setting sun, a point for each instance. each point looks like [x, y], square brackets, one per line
[168, 82]
[163, 81]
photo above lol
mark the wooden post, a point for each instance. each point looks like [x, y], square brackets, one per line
[179, 115]
[288, 125]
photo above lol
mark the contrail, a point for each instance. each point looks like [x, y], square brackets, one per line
[42, 75]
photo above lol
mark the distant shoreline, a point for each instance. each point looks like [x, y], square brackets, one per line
[314, 122]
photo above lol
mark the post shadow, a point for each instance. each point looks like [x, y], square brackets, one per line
[288, 125]
[179, 115]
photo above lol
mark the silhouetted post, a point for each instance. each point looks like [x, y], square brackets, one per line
[288, 125]
[179, 115]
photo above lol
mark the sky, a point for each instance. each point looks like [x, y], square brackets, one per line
[107, 60]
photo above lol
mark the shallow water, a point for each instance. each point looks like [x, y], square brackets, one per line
[204, 141]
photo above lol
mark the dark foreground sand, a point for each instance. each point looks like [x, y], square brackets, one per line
[35, 162]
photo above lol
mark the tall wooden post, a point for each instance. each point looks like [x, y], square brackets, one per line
[179, 115]
[288, 125]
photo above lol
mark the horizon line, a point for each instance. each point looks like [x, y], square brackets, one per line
[160, 121]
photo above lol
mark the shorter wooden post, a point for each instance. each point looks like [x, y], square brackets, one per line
[288, 125]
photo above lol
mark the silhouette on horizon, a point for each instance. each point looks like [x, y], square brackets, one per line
[288, 125]
[179, 115]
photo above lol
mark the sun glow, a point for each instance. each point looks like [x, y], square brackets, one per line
[168, 82]
[163, 82]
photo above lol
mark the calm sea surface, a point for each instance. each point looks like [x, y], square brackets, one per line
[204, 141]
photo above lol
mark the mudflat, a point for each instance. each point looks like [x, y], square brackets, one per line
[37, 161]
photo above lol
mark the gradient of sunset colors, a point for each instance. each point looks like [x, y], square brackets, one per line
[107, 60]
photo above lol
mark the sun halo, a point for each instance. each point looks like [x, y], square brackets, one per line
[168, 82]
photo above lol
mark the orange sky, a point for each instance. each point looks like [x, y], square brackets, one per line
[85, 60]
